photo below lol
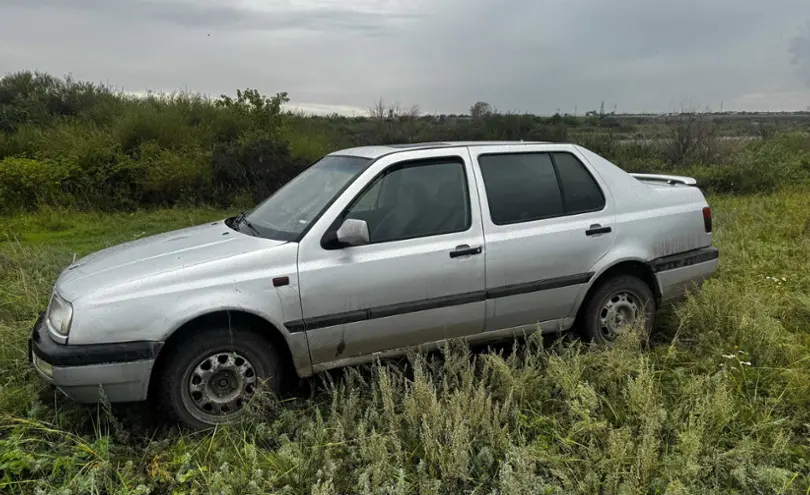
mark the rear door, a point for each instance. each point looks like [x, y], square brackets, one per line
[547, 221]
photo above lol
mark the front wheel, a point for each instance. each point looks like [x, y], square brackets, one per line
[209, 378]
[618, 305]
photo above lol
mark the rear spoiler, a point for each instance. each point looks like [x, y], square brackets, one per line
[669, 179]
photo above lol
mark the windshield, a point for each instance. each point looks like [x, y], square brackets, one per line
[288, 211]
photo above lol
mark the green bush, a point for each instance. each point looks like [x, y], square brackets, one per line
[309, 148]
[153, 122]
[99, 174]
[312, 138]
[226, 125]
[119, 152]
[761, 167]
[24, 142]
[168, 177]
[257, 167]
[36, 98]
[26, 183]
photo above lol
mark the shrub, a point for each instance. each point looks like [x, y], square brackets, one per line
[257, 167]
[24, 142]
[98, 174]
[693, 138]
[26, 183]
[36, 98]
[157, 123]
[548, 132]
[228, 124]
[309, 148]
[763, 166]
[118, 151]
[169, 177]
[311, 138]
[263, 111]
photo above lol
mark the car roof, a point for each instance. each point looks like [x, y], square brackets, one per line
[378, 151]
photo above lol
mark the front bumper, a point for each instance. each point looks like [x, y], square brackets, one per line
[81, 372]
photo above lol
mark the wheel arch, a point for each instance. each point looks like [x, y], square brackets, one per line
[635, 267]
[225, 318]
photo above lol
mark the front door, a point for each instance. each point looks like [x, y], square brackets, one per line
[421, 277]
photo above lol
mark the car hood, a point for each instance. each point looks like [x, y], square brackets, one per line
[153, 255]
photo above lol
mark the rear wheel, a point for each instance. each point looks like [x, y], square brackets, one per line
[618, 305]
[209, 378]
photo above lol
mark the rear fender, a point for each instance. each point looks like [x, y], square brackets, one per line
[627, 256]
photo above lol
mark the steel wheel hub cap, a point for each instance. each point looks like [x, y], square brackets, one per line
[618, 314]
[222, 383]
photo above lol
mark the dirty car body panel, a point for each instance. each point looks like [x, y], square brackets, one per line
[134, 298]
[454, 249]
[396, 292]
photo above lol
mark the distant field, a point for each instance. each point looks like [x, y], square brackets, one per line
[720, 403]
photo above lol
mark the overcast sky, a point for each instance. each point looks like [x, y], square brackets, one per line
[443, 55]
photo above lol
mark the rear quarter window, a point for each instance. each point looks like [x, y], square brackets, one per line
[581, 193]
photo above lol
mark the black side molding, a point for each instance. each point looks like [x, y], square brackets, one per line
[82, 355]
[435, 303]
[383, 311]
[540, 285]
[686, 258]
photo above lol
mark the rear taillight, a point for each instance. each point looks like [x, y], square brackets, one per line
[707, 219]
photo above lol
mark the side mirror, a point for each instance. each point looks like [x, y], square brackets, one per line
[353, 232]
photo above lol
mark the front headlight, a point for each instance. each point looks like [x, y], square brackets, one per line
[60, 313]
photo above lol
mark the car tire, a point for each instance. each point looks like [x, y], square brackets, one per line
[208, 378]
[607, 312]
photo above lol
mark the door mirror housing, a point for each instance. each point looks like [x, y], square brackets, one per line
[353, 232]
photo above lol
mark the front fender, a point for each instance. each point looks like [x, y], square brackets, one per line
[272, 309]
[152, 308]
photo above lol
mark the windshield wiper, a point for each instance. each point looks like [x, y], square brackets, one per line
[242, 220]
[237, 220]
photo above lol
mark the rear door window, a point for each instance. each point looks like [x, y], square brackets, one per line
[521, 187]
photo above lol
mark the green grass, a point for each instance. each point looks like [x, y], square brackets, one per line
[88, 231]
[719, 403]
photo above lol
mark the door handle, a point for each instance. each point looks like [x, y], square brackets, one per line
[597, 229]
[465, 250]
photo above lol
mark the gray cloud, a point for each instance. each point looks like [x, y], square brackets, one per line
[800, 49]
[206, 14]
[321, 20]
[440, 54]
